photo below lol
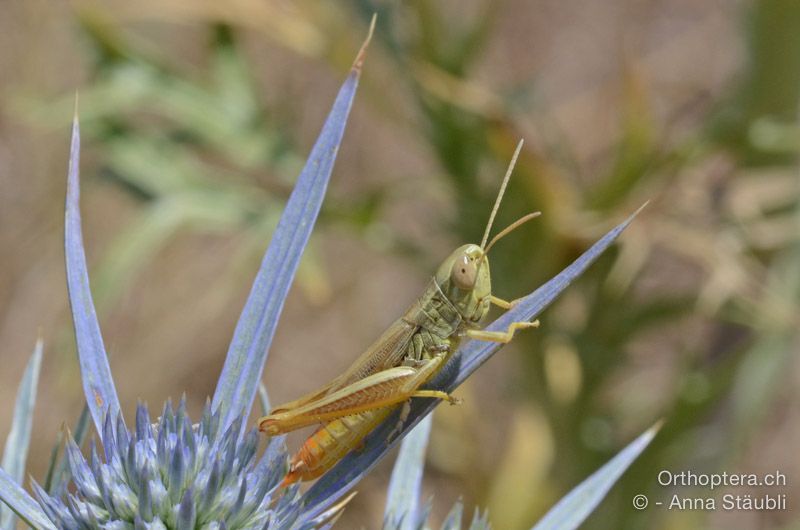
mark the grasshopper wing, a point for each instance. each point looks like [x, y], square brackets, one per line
[386, 352]
[375, 391]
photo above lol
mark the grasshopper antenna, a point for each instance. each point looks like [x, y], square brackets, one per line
[500, 195]
[510, 228]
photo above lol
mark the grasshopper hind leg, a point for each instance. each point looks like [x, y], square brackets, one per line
[405, 410]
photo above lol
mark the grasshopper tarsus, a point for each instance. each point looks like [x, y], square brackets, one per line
[503, 337]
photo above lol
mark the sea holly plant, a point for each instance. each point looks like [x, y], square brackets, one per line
[165, 471]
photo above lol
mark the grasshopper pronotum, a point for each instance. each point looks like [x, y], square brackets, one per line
[406, 356]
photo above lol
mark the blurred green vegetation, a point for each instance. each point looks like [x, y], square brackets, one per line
[692, 318]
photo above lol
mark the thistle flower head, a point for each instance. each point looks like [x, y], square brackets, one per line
[173, 474]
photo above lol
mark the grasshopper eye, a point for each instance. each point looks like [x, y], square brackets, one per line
[464, 272]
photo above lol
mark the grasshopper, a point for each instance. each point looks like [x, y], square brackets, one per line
[393, 370]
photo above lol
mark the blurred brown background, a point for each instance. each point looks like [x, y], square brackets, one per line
[197, 116]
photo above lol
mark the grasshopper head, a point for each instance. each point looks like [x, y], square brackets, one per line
[464, 278]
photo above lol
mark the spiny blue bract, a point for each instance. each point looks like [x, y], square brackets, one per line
[480, 520]
[173, 474]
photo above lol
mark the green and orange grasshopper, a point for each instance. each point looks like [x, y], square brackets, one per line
[407, 355]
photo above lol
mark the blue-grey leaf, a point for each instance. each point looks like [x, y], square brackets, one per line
[238, 383]
[573, 509]
[263, 399]
[58, 470]
[475, 353]
[98, 385]
[355, 465]
[15, 451]
[329, 517]
[402, 503]
[480, 520]
[453, 519]
[22, 504]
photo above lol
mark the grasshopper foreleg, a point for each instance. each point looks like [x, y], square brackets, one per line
[503, 304]
[501, 336]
